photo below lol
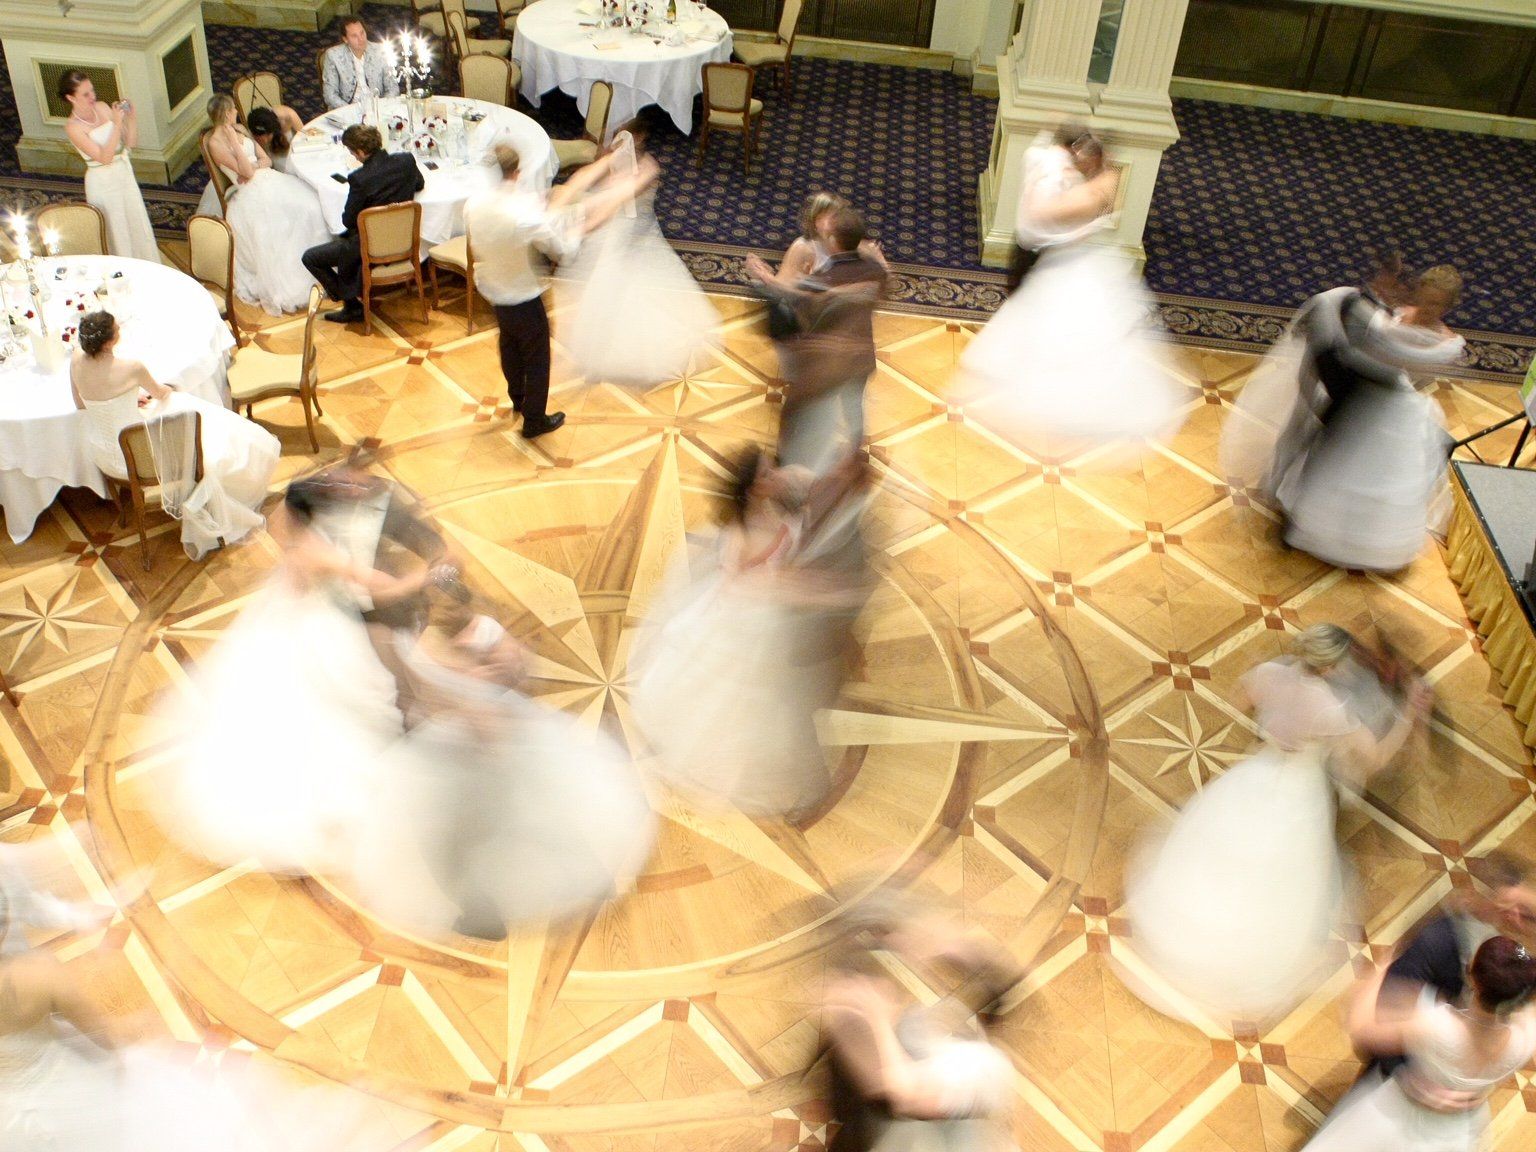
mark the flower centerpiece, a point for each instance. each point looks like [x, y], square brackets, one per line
[399, 125]
[425, 145]
[435, 125]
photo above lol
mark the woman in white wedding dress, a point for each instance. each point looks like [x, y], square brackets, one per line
[275, 217]
[1365, 492]
[632, 313]
[1073, 360]
[238, 456]
[494, 810]
[103, 136]
[738, 659]
[1231, 907]
[291, 789]
[69, 1080]
[1458, 1054]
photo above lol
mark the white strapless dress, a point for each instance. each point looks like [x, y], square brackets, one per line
[113, 191]
[274, 217]
[632, 313]
[1073, 360]
[59, 1092]
[288, 790]
[239, 458]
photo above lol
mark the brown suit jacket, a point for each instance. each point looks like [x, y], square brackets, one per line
[834, 313]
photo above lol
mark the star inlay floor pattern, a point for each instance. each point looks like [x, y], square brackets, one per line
[1042, 675]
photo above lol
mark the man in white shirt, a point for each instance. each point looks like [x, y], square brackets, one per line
[354, 69]
[1055, 162]
[510, 227]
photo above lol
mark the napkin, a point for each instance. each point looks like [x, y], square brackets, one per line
[709, 37]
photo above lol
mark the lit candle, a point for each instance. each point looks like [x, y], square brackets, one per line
[19, 231]
[421, 50]
[51, 242]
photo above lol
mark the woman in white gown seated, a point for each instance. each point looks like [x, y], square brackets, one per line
[1231, 907]
[70, 1079]
[238, 456]
[1073, 360]
[275, 217]
[494, 810]
[293, 791]
[273, 129]
[1457, 1055]
[1364, 493]
[633, 313]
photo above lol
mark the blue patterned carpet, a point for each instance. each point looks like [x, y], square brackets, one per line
[1255, 209]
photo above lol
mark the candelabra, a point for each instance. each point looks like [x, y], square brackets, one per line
[411, 64]
[49, 353]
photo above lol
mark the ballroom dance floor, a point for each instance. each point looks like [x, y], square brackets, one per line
[684, 1015]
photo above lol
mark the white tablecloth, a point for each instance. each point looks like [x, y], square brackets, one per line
[556, 51]
[450, 184]
[168, 321]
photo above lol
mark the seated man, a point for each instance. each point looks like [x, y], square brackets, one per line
[384, 178]
[356, 69]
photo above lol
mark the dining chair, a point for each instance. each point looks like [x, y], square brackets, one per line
[432, 17]
[221, 182]
[390, 237]
[457, 257]
[730, 107]
[775, 54]
[463, 47]
[506, 15]
[78, 229]
[489, 78]
[211, 255]
[141, 479]
[257, 90]
[257, 374]
[594, 129]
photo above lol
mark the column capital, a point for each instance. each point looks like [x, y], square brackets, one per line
[1048, 58]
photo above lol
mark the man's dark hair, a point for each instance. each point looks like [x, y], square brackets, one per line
[346, 22]
[846, 229]
[364, 139]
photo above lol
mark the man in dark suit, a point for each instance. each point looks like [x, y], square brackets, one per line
[1439, 956]
[384, 178]
[829, 357]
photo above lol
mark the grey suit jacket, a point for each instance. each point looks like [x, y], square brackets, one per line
[340, 86]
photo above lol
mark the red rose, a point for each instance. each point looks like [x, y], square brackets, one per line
[31, 315]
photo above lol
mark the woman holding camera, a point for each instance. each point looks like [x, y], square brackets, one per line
[103, 135]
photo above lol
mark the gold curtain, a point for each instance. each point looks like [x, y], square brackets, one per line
[1494, 607]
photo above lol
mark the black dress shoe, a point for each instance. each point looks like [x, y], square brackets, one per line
[351, 314]
[533, 428]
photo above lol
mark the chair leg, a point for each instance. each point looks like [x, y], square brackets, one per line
[788, 87]
[469, 307]
[421, 294]
[367, 312]
[436, 302]
[138, 515]
[703, 139]
[746, 145]
[305, 399]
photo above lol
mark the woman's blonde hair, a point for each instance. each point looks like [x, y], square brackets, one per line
[1323, 645]
[220, 105]
[817, 204]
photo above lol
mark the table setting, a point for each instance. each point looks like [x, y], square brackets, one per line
[651, 51]
[450, 138]
[168, 321]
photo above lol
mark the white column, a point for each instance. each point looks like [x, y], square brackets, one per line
[155, 53]
[1042, 81]
[1134, 115]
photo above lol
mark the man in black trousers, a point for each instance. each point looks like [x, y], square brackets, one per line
[384, 178]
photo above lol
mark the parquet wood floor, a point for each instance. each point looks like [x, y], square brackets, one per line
[1044, 673]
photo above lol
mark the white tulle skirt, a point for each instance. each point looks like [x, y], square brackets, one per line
[1363, 494]
[631, 313]
[509, 814]
[1383, 1119]
[727, 690]
[275, 217]
[1072, 361]
[1232, 908]
[69, 1094]
[276, 749]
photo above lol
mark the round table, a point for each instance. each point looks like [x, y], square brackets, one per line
[558, 45]
[317, 152]
[168, 321]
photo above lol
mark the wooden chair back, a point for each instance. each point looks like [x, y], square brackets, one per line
[727, 88]
[789, 24]
[76, 229]
[488, 78]
[211, 254]
[257, 90]
[599, 105]
[216, 175]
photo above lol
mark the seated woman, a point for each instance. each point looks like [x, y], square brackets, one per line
[275, 217]
[273, 129]
[238, 456]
